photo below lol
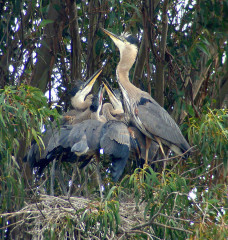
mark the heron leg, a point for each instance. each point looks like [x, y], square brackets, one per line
[99, 175]
[160, 145]
[148, 143]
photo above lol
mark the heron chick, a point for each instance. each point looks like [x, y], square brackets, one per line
[81, 100]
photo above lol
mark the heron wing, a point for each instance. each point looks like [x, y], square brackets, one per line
[93, 132]
[81, 147]
[115, 141]
[118, 165]
[116, 131]
[57, 137]
[81, 136]
[156, 121]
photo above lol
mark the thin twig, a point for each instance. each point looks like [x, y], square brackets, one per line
[72, 180]
[171, 158]
[207, 171]
[190, 170]
[174, 218]
[156, 214]
[174, 228]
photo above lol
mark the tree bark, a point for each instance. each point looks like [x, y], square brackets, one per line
[222, 96]
[160, 66]
[140, 63]
[76, 69]
[48, 49]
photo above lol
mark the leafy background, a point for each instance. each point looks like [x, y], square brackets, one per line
[45, 47]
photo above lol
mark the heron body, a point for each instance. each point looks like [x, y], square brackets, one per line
[147, 115]
[85, 139]
[125, 130]
[115, 141]
[81, 138]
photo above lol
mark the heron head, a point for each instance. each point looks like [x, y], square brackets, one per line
[97, 100]
[124, 42]
[114, 97]
[82, 90]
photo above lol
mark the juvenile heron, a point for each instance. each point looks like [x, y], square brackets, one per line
[148, 116]
[81, 100]
[84, 140]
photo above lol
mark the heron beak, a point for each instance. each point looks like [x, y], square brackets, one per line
[87, 86]
[116, 39]
[101, 93]
[117, 104]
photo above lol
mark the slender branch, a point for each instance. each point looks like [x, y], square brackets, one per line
[158, 212]
[174, 228]
[175, 157]
[193, 169]
[208, 171]
[174, 218]
[52, 178]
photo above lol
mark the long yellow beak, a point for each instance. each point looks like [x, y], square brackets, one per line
[117, 104]
[115, 38]
[90, 82]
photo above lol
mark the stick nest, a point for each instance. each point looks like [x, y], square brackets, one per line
[48, 211]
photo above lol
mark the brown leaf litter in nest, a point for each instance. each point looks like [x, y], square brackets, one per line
[36, 218]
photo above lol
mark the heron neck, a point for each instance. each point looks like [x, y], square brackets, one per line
[123, 78]
[127, 59]
[98, 117]
[107, 109]
[77, 103]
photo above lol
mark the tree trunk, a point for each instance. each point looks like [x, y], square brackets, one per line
[76, 70]
[160, 67]
[47, 52]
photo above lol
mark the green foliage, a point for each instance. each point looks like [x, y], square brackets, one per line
[146, 204]
[23, 113]
[210, 135]
[195, 67]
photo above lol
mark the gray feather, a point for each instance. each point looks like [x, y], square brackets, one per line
[156, 121]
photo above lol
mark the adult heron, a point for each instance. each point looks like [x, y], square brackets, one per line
[137, 139]
[148, 116]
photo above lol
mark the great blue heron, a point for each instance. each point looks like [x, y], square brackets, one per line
[138, 140]
[88, 137]
[149, 117]
[81, 100]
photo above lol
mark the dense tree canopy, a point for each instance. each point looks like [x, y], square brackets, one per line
[45, 48]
